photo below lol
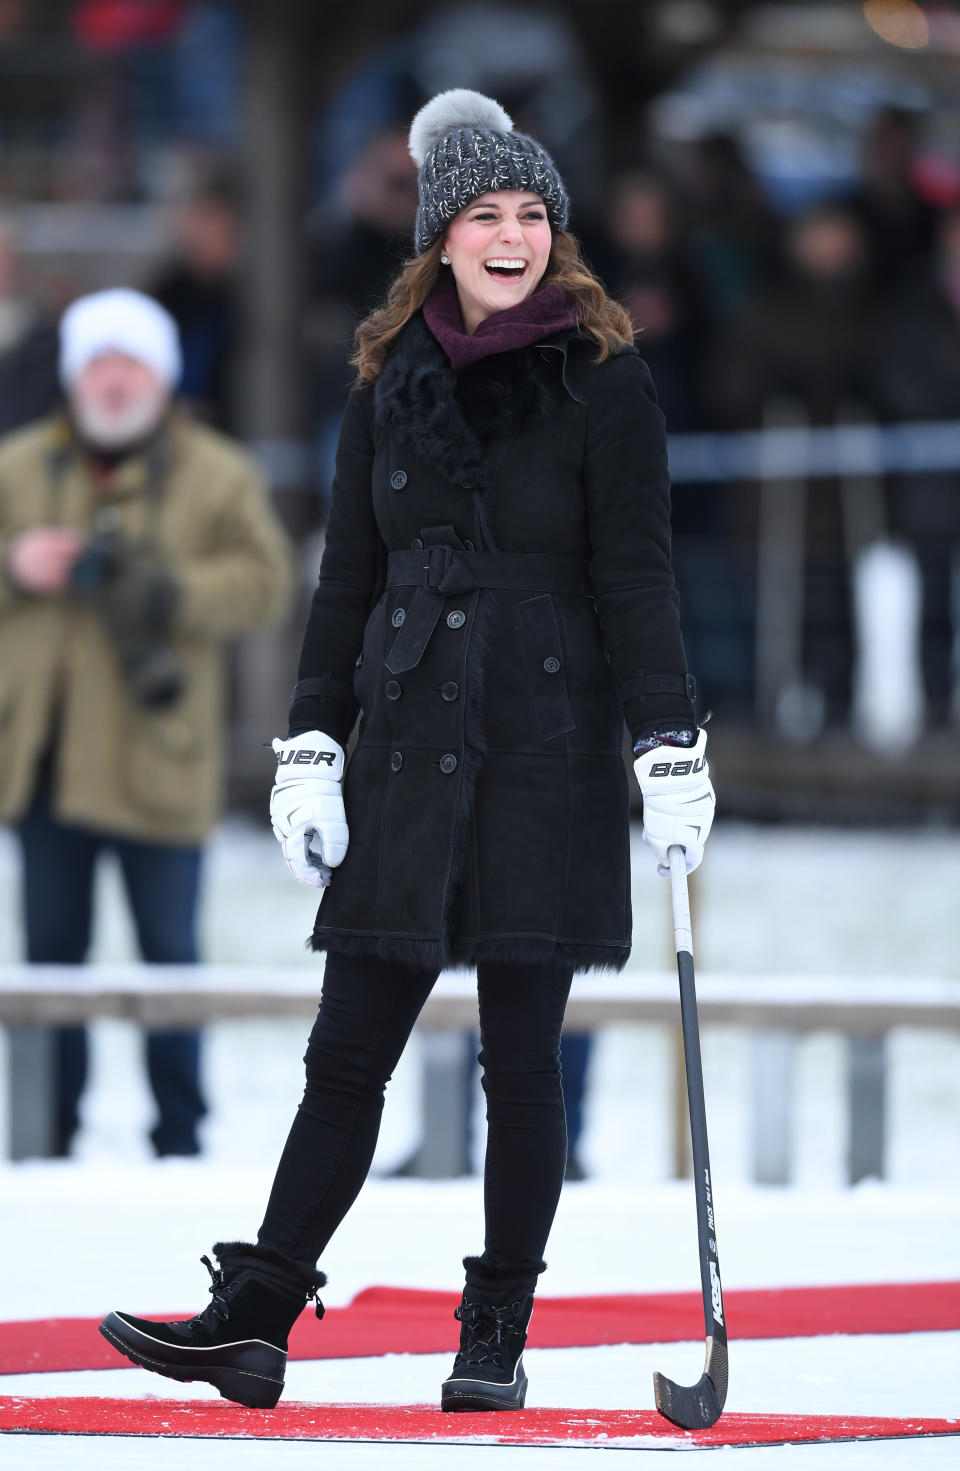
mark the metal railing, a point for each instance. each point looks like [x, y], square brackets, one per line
[777, 1010]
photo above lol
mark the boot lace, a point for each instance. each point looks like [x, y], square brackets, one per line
[489, 1335]
[218, 1311]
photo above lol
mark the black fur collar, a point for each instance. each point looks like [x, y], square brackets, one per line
[450, 419]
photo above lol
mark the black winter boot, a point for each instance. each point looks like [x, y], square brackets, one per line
[239, 1342]
[494, 1313]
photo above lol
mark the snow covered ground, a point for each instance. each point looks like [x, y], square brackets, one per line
[113, 1229]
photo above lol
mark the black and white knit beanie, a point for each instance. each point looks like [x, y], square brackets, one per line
[464, 144]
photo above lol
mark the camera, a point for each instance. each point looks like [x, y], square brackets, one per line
[135, 597]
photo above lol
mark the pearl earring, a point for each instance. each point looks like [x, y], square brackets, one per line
[444, 260]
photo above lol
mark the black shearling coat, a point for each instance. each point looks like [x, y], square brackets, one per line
[495, 595]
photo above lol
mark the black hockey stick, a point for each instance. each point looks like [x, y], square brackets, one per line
[700, 1405]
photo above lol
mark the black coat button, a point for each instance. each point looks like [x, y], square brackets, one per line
[398, 479]
[468, 544]
[450, 690]
[466, 484]
[416, 545]
[398, 618]
[456, 619]
[394, 690]
[448, 763]
[396, 761]
[551, 665]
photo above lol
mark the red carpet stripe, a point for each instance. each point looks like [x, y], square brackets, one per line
[385, 1320]
[425, 1423]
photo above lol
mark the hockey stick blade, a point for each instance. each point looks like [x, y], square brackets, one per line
[700, 1405]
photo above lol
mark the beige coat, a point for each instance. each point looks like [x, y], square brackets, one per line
[121, 768]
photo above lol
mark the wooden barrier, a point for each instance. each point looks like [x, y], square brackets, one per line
[778, 1008]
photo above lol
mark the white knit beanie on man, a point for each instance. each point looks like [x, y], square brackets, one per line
[119, 320]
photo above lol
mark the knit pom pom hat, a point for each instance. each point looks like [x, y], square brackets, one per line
[464, 145]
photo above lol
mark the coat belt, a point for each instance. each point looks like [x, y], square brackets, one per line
[439, 572]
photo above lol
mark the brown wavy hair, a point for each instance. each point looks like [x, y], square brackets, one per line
[598, 314]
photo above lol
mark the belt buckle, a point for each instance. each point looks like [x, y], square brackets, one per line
[437, 565]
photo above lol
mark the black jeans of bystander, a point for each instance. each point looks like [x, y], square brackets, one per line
[367, 1011]
[162, 883]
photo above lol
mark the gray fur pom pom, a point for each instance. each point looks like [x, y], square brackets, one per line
[458, 108]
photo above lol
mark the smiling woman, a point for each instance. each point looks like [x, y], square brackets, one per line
[498, 249]
[495, 597]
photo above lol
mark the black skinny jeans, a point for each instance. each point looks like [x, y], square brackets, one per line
[367, 1010]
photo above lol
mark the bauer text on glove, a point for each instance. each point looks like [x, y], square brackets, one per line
[678, 799]
[306, 805]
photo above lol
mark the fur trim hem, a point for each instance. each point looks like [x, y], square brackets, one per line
[535, 950]
[431, 954]
[418, 954]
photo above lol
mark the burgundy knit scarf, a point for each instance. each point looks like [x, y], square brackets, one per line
[540, 315]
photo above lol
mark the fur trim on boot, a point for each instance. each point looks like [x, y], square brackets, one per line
[497, 1282]
[271, 1266]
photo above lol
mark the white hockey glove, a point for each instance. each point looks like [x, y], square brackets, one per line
[306, 805]
[678, 800]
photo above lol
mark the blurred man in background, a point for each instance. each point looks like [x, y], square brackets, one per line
[133, 542]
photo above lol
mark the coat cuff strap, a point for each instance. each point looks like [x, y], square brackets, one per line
[322, 686]
[643, 684]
